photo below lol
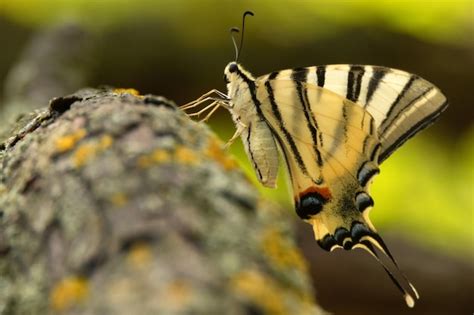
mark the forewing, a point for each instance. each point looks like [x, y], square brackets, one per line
[327, 141]
[401, 104]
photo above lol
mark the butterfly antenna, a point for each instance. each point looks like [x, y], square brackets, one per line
[243, 32]
[232, 31]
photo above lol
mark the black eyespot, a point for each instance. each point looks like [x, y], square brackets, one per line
[359, 230]
[310, 204]
[341, 234]
[327, 242]
[226, 80]
[233, 67]
[363, 201]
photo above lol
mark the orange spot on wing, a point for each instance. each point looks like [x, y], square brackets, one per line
[323, 191]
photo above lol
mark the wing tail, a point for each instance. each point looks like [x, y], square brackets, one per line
[360, 235]
[371, 239]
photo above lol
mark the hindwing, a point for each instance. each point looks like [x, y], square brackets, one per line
[331, 146]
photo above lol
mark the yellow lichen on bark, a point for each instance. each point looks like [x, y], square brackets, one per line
[280, 252]
[214, 151]
[156, 157]
[83, 154]
[87, 151]
[144, 161]
[68, 293]
[105, 142]
[128, 91]
[189, 156]
[67, 142]
[186, 156]
[178, 292]
[261, 290]
[270, 296]
[160, 156]
[140, 255]
[119, 199]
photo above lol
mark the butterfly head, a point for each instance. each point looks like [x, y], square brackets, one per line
[237, 78]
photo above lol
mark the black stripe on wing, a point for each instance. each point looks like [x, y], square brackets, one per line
[321, 75]
[342, 133]
[394, 116]
[375, 79]
[399, 98]
[300, 75]
[354, 80]
[420, 125]
[277, 114]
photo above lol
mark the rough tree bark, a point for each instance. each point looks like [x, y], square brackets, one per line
[116, 203]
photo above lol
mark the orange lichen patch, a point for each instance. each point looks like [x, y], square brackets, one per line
[87, 151]
[157, 156]
[270, 296]
[140, 255]
[105, 142]
[84, 153]
[119, 199]
[181, 155]
[262, 291]
[68, 293]
[186, 155]
[215, 151]
[160, 155]
[67, 142]
[128, 91]
[281, 252]
[178, 292]
[144, 161]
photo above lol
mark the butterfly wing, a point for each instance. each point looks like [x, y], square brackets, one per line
[401, 104]
[332, 149]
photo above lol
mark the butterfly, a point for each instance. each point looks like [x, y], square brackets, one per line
[333, 126]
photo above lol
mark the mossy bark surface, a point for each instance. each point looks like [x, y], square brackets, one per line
[117, 203]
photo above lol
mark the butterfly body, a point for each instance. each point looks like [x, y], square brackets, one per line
[333, 125]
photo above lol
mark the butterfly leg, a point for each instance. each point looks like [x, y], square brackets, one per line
[204, 109]
[206, 97]
[216, 107]
[240, 128]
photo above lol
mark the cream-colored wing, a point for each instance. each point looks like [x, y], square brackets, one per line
[331, 149]
[402, 104]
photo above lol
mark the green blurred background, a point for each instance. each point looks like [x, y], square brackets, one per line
[424, 194]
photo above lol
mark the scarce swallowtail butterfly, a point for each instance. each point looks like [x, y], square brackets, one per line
[334, 125]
